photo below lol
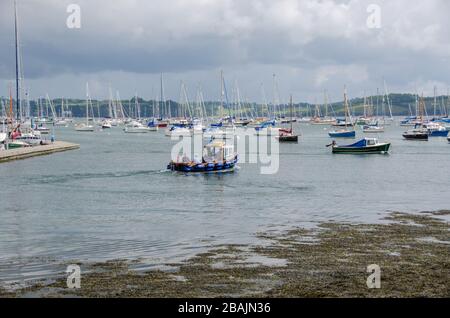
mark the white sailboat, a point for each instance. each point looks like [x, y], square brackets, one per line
[136, 127]
[62, 121]
[86, 127]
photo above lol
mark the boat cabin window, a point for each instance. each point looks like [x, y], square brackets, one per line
[371, 142]
[212, 153]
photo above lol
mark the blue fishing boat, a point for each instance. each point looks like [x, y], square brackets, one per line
[364, 146]
[217, 157]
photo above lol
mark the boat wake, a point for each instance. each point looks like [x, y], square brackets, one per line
[50, 179]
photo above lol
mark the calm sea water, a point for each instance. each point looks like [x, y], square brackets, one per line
[112, 198]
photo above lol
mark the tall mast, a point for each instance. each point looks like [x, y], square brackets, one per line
[291, 112]
[17, 61]
[434, 103]
[378, 102]
[11, 113]
[28, 112]
[365, 105]
[87, 103]
[347, 109]
[222, 93]
[388, 99]
[421, 108]
[448, 103]
[162, 103]
[110, 113]
[273, 93]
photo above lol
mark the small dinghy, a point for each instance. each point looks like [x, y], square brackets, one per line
[217, 157]
[344, 133]
[364, 146]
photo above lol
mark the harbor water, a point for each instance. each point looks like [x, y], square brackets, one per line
[113, 198]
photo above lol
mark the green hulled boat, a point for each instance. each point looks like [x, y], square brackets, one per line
[364, 146]
[14, 144]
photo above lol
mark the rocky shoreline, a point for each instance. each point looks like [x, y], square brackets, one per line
[412, 251]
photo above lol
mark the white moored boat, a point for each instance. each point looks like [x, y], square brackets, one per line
[177, 131]
[42, 129]
[32, 138]
[61, 123]
[136, 128]
[373, 129]
[86, 127]
[106, 124]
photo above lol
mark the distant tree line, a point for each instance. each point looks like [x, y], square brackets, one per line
[401, 106]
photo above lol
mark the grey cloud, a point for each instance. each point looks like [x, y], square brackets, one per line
[308, 43]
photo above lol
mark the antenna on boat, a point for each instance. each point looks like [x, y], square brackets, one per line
[162, 103]
[291, 112]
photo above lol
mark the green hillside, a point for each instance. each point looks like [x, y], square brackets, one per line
[400, 107]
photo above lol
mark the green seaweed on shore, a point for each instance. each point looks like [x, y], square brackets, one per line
[412, 250]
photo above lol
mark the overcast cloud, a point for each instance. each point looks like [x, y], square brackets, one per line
[311, 45]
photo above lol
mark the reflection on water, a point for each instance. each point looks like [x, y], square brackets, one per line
[113, 199]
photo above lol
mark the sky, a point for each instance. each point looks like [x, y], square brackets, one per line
[310, 46]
